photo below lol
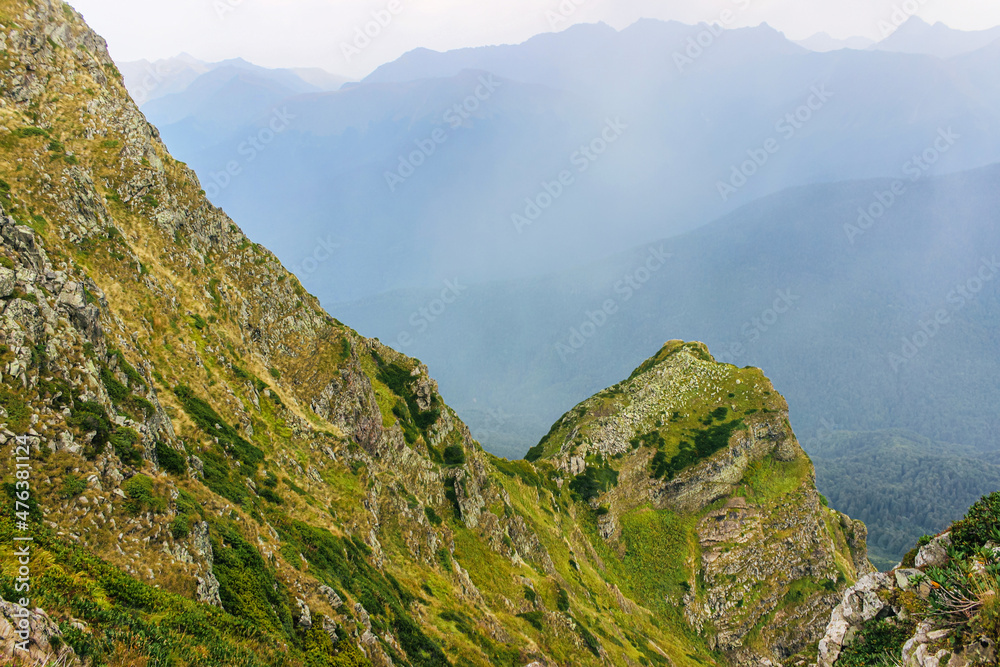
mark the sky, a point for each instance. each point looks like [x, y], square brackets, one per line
[325, 33]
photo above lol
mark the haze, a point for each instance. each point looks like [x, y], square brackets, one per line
[299, 33]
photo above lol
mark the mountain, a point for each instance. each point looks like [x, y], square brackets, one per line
[918, 36]
[791, 284]
[148, 80]
[207, 468]
[822, 42]
[193, 85]
[379, 204]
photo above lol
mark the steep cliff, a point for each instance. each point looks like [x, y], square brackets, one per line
[214, 471]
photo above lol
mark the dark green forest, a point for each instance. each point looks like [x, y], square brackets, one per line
[900, 484]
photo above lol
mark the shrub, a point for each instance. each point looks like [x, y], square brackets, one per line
[140, 497]
[209, 421]
[562, 600]
[270, 496]
[170, 459]
[707, 441]
[18, 414]
[534, 619]
[180, 527]
[454, 455]
[432, 516]
[980, 525]
[593, 481]
[73, 485]
[124, 441]
[877, 644]
[91, 417]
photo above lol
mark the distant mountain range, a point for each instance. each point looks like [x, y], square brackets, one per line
[918, 36]
[822, 42]
[152, 80]
[791, 283]
[357, 169]
[485, 209]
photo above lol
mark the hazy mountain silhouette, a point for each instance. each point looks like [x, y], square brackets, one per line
[506, 353]
[918, 36]
[343, 168]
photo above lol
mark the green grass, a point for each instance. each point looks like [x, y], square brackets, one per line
[768, 479]
[658, 546]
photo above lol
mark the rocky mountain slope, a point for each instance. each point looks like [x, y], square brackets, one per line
[938, 607]
[214, 471]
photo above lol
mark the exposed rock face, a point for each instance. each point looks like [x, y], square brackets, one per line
[30, 635]
[893, 598]
[759, 544]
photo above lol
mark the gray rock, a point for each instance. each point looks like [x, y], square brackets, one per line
[39, 633]
[305, 615]
[904, 576]
[7, 281]
[331, 596]
[934, 554]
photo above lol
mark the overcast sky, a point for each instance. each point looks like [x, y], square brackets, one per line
[298, 33]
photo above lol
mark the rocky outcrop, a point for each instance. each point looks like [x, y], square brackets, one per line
[894, 598]
[30, 636]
